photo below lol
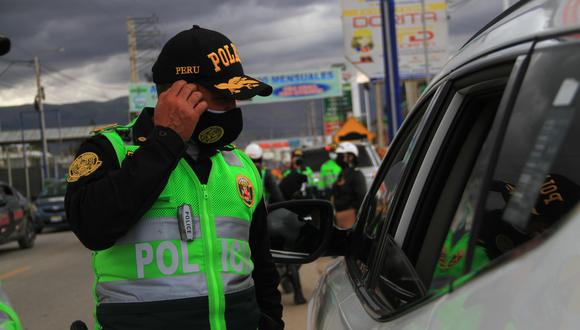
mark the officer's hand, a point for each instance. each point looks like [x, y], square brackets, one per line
[179, 108]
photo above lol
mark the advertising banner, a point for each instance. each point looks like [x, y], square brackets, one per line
[412, 37]
[302, 85]
[142, 95]
[335, 110]
[362, 24]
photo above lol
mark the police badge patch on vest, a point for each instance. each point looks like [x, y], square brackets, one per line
[83, 165]
[246, 190]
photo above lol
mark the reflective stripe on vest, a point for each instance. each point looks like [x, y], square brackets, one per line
[152, 263]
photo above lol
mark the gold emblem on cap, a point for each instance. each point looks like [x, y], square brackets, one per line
[83, 165]
[235, 84]
[211, 134]
[141, 139]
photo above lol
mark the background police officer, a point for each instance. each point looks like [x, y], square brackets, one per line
[173, 212]
[272, 193]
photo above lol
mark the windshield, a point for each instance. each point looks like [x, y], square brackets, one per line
[53, 189]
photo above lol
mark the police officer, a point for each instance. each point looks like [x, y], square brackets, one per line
[272, 193]
[350, 188]
[298, 180]
[329, 172]
[173, 212]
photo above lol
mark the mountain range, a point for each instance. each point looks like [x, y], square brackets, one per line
[261, 121]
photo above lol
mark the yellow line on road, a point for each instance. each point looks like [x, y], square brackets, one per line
[14, 272]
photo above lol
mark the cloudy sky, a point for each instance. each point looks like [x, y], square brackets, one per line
[82, 44]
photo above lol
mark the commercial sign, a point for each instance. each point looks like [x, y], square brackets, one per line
[362, 23]
[142, 95]
[363, 43]
[336, 109]
[302, 85]
[411, 37]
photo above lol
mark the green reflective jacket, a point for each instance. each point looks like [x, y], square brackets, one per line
[9, 320]
[329, 172]
[152, 263]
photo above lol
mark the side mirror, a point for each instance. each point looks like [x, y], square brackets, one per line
[4, 45]
[299, 230]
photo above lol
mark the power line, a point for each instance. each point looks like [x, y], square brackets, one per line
[6, 69]
[86, 83]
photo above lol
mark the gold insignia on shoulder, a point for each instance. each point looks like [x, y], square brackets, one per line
[211, 134]
[105, 127]
[245, 190]
[83, 165]
[235, 84]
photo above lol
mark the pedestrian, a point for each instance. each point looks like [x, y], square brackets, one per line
[350, 188]
[173, 212]
[329, 171]
[9, 320]
[272, 193]
[298, 180]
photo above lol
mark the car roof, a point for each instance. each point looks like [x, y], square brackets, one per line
[524, 21]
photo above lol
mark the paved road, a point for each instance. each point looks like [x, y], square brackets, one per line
[50, 284]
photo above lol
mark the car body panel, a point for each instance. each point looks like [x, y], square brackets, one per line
[335, 306]
[526, 22]
[544, 281]
[14, 216]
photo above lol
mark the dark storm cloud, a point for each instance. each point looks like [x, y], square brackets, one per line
[272, 36]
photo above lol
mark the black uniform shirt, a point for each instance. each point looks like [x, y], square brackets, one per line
[104, 205]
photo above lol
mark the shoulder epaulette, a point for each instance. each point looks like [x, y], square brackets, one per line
[104, 128]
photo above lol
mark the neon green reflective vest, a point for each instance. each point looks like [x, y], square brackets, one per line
[329, 172]
[9, 320]
[151, 262]
[451, 264]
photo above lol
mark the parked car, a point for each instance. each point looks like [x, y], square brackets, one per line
[368, 160]
[15, 218]
[49, 205]
[472, 221]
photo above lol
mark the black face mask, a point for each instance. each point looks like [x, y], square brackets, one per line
[340, 161]
[217, 129]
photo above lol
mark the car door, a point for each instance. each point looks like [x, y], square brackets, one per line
[335, 304]
[402, 225]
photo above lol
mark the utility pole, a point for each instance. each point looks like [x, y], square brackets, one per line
[40, 108]
[379, 107]
[132, 50]
[425, 42]
[24, 156]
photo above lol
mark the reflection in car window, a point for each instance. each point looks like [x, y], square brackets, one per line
[374, 220]
[536, 180]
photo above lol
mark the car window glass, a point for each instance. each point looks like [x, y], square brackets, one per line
[7, 191]
[363, 159]
[373, 221]
[57, 188]
[536, 180]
